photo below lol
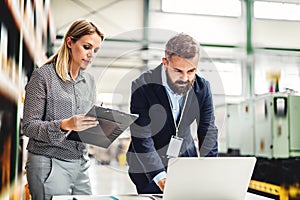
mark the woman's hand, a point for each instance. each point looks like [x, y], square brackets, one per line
[78, 123]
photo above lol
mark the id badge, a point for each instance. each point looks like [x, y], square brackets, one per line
[174, 146]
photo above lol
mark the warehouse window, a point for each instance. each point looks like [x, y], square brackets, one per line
[224, 77]
[270, 67]
[288, 79]
[230, 8]
[276, 10]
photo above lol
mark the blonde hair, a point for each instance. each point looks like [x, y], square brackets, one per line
[62, 57]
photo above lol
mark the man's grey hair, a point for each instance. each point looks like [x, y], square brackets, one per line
[182, 45]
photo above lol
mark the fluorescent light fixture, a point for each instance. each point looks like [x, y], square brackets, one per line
[276, 10]
[231, 8]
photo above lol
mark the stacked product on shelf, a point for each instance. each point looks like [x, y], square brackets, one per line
[26, 32]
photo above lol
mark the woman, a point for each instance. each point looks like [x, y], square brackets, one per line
[58, 95]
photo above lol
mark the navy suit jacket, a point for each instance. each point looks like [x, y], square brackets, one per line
[152, 131]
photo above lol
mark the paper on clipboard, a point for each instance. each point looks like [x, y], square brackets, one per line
[112, 123]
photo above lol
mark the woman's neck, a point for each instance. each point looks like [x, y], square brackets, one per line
[74, 71]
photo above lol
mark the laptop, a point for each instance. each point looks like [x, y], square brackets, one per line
[210, 178]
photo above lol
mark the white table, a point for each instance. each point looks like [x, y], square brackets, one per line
[249, 196]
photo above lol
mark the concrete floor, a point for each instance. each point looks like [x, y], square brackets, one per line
[110, 179]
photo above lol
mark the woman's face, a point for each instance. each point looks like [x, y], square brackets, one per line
[84, 50]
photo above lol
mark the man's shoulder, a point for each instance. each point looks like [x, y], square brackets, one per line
[149, 76]
[201, 81]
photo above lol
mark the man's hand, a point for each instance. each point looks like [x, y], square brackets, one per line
[161, 184]
[78, 123]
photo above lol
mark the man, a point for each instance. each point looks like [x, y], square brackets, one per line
[168, 99]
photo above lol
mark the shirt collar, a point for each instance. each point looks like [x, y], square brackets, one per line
[80, 77]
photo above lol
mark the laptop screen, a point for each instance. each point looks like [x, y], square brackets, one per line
[209, 178]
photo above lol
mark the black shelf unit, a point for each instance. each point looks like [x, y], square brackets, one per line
[26, 37]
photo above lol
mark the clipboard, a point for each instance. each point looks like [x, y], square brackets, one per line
[112, 123]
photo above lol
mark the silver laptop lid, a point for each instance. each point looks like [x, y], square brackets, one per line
[211, 178]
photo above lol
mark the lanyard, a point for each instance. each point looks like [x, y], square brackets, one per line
[181, 113]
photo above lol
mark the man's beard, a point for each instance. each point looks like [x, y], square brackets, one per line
[179, 87]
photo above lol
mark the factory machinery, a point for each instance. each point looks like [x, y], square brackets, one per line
[267, 127]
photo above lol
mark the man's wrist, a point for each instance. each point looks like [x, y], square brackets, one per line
[159, 177]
